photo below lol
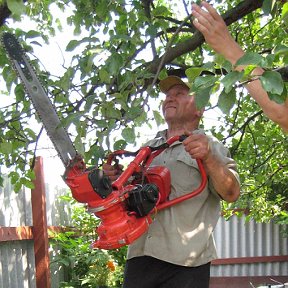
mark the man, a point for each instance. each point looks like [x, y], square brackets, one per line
[178, 247]
[217, 36]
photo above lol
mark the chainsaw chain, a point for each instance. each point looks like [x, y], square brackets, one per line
[17, 55]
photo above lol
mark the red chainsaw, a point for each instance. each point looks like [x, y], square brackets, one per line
[125, 206]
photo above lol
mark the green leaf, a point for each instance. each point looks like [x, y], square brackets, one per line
[19, 92]
[151, 30]
[79, 145]
[72, 45]
[89, 63]
[14, 176]
[284, 15]
[160, 11]
[119, 144]
[281, 49]
[128, 134]
[272, 82]
[279, 98]
[194, 72]
[202, 97]
[17, 186]
[250, 58]
[17, 7]
[66, 80]
[72, 118]
[89, 102]
[116, 62]
[267, 6]
[110, 111]
[32, 34]
[158, 117]
[31, 133]
[134, 112]
[203, 82]
[81, 129]
[269, 61]
[6, 148]
[28, 183]
[31, 174]
[230, 79]
[227, 66]
[226, 101]
[104, 76]
[36, 43]
[3, 59]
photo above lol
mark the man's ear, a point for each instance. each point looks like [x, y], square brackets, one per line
[200, 112]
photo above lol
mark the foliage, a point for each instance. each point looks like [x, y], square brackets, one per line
[120, 50]
[86, 267]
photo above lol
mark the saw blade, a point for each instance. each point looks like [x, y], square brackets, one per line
[40, 100]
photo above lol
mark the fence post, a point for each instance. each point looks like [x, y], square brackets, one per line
[40, 232]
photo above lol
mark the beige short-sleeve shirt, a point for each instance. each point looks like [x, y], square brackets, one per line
[182, 234]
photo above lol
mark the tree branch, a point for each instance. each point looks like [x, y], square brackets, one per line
[4, 14]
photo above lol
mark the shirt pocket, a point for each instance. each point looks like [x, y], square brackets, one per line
[188, 160]
[185, 175]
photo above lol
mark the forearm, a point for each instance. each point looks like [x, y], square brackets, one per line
[273, 110]
[223, 180]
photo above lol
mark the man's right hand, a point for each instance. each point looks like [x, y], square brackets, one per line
[216, 33]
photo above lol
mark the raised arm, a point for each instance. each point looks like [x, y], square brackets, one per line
[217, 36]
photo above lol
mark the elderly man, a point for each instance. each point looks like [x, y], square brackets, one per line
[178, 247]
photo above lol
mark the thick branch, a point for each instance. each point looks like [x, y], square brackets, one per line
[4, 14]
[180, 72]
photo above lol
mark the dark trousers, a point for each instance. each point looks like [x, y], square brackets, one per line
[148, 272]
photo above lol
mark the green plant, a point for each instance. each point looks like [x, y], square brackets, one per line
[84, 266]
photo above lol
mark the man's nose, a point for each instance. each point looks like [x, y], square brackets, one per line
[170, 96]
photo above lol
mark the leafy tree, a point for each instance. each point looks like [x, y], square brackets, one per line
[120, 51]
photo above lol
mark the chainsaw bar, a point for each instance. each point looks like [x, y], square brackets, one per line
[40, 100]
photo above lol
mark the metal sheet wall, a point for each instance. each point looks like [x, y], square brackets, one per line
[17, 266]
[237, 238]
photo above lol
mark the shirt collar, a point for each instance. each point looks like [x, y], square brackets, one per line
[162, 134]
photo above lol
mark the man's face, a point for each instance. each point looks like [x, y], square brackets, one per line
[179, 106]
